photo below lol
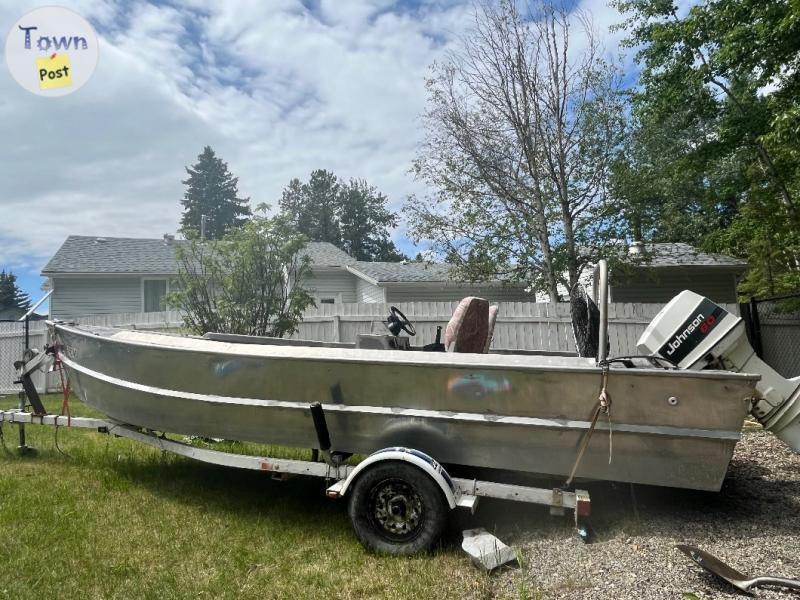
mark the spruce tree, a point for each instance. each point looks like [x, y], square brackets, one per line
[211, 190]
[11, 296]
[365, 223]
[352, 215]
[323, 190]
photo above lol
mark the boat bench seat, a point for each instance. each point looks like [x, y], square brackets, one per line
[471, 326]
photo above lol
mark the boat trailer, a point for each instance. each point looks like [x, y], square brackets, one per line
[374, 506]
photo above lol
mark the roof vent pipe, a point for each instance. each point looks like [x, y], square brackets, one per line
[637, 247]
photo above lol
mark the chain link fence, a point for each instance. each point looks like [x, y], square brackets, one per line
[773, 327]
[12, 345]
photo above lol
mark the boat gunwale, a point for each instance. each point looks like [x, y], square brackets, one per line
[432, 359]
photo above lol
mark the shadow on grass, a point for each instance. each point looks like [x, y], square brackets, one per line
[230, 490]
[253, 494]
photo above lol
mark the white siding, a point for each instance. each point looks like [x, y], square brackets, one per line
[366, 292]
[78, 297]
[338, 284]
[663, 284]
[416, 293]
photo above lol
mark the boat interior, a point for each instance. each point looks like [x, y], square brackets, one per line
[470, 330]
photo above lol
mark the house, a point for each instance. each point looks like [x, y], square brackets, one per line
[657, 272]
[425, 282]
[12, 313]
[101, 275]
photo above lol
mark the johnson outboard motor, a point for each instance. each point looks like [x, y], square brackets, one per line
[694, 333]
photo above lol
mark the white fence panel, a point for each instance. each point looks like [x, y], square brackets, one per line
[12, 345]
[157, 321]
[520, 325]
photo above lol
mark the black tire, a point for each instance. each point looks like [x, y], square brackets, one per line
[396, 508]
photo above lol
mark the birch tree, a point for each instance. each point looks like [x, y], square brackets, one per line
[522, 122]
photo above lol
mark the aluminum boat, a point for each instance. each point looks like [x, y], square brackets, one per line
[524, 411]
[521, 412]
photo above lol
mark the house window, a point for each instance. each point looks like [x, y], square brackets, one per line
[329, 298]
[154, 292]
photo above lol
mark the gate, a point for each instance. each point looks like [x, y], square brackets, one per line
[773, 328]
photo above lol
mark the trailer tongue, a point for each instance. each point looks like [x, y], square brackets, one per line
[694, 333]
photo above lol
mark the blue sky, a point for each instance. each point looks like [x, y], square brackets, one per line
[277, 87]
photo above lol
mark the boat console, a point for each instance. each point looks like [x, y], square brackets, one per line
[381, 341]
[469, 330]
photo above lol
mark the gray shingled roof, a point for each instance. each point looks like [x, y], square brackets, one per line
[91, 254]
[678, 254]
[325, 254]
[389, 272]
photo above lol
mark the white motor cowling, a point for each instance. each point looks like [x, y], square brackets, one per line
[694, 333]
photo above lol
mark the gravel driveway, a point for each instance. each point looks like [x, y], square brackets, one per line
[753, 524]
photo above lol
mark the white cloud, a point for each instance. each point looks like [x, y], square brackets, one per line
[276, 88]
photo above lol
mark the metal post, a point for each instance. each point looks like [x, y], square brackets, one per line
[602, 351]
[756, 341]
[23, 447]
[203, 227]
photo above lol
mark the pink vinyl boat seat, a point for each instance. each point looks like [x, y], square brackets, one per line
[468, 329]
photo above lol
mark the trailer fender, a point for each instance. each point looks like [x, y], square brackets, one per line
[419, 459]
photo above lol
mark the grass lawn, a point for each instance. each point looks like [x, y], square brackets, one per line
[117, 519]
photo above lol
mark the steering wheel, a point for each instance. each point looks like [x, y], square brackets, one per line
[398, 318]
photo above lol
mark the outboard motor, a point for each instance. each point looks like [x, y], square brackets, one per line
[694, 333]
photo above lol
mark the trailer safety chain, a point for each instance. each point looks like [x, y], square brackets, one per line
[603, 406]
[66, 390]
[56, 441]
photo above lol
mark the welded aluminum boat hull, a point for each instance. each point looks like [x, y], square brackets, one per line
[525, 413]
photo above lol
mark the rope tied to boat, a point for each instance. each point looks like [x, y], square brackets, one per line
[65, 383]
[605, 402]
[603, 406]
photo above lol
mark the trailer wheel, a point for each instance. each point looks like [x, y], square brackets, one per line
[396, 508]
